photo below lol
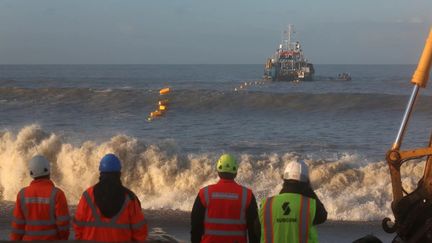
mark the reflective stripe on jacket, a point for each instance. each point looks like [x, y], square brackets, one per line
[41, 213]
[225, 218]
[287, 218]
[128, 225]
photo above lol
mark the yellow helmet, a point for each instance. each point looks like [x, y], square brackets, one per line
[227, 163]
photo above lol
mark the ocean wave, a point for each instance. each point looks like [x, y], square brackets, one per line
[162, 176]
[205, 100]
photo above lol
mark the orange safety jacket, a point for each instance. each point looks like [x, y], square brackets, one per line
[128, 225]
[41, 213]
[225, 217]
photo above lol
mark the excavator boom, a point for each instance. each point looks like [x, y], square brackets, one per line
[413, 212]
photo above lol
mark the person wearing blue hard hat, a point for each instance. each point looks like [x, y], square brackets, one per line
[119, 218]
[110, 163]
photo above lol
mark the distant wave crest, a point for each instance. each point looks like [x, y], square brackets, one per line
[206, 100]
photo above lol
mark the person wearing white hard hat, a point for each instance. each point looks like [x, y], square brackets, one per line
[41, 210]
[291, 215]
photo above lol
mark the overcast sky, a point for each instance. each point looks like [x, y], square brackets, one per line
[210, 31]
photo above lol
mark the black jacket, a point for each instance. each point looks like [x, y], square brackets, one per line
[198, 214]
[305, 189]
[110, 194]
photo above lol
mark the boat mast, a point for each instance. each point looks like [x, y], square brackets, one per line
[286, 39]
[289, 36]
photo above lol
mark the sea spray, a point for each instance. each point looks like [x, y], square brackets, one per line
[163, 176]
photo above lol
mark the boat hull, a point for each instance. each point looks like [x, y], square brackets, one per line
[276, 73]
[294, 76]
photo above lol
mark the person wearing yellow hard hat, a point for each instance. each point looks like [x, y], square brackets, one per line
[225, 211]
[292, 215]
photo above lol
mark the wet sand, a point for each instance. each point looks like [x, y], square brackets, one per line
[329, 232]
[177, 224]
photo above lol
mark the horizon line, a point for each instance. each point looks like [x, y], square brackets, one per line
[35, 64]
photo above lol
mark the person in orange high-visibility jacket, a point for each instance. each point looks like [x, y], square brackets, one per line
[41, 211]
[108, 211]
[226, 211]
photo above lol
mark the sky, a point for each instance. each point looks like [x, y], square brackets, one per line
[210, 31]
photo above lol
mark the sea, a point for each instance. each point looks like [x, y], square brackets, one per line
[74, 114]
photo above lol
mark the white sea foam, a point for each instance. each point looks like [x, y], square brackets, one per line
[162, 176]
[103, 91]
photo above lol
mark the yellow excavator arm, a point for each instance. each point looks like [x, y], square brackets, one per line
[421, 75]
[413, 211]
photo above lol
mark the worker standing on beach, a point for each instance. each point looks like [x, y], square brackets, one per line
[108, 211]
[41, 211]
[225, 211]
[292, 215]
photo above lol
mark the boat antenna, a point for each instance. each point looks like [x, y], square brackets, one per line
[289, 35]
[286, 40]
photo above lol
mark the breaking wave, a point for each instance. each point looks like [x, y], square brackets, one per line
[350, 187]
[203, 100]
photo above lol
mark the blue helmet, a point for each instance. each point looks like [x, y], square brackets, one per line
[110, 163]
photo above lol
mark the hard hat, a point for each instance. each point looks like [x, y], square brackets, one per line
[227, 163]
[39, 166]
[110, 163]
[296, 170]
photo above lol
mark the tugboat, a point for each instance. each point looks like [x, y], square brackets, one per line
[288, 63]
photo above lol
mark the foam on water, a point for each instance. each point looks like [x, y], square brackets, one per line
[163, 177]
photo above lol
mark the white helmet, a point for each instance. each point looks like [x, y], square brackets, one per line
[39, 166]
[296, 170]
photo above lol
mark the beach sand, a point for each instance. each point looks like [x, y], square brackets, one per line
[177, 223]
[167, 224]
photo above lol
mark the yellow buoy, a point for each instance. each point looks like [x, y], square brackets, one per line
[162, 105]
[164, 91]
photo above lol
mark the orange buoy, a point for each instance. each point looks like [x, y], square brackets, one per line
[156, 113]
[164, 91]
